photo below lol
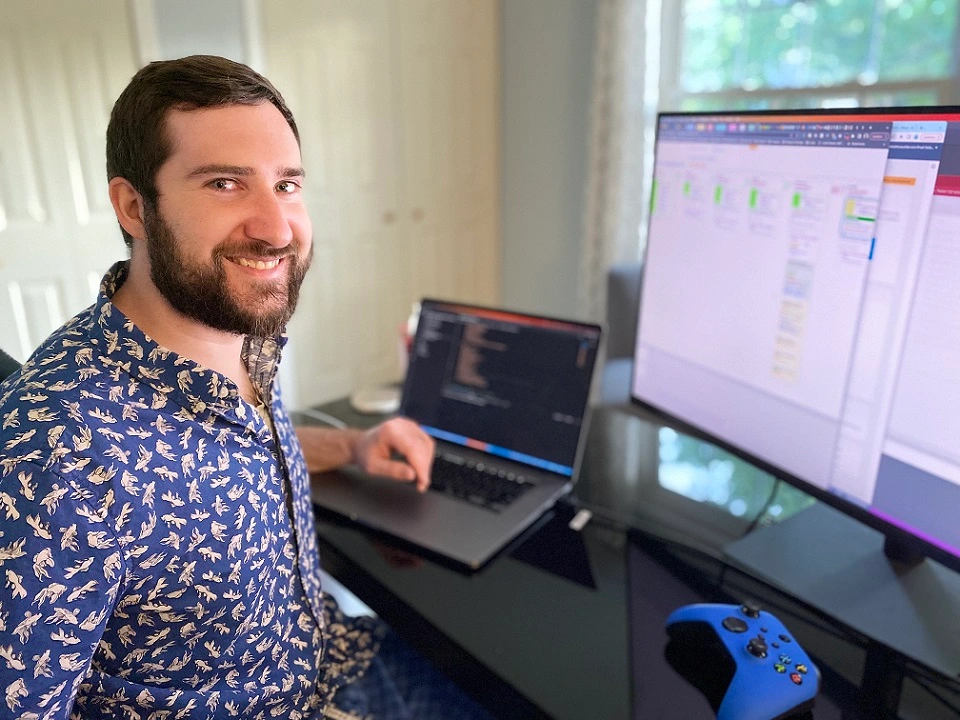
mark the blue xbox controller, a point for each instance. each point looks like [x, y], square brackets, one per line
[743, 659]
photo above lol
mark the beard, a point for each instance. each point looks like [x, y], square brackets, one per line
[202, 292]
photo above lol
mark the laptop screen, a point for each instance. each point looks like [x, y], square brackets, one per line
[509, 384]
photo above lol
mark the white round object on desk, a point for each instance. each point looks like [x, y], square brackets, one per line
[376, 400]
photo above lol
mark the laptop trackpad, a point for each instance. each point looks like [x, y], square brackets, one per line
[354, 493]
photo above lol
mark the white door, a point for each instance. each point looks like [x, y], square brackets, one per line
[332, 61]
[61, 67]
[449, 112]
[396, 105]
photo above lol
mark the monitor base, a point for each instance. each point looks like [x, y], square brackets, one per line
[839, 566]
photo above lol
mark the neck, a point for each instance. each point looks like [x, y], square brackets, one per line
[140, 301]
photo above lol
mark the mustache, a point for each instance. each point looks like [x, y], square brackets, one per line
[258, 251]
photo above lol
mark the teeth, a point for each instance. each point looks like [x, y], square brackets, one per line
[257, 264]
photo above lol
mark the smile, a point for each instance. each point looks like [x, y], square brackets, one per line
[257, 264]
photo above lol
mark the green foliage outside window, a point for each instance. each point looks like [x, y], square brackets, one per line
[777, 44]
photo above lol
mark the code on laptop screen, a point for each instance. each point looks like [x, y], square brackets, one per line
[510, 384]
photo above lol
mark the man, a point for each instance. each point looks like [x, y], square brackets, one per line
[157, 548]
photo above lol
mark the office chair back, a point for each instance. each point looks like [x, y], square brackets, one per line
[8, 365]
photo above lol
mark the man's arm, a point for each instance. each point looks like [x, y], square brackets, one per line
[373, 450]
[60, 569]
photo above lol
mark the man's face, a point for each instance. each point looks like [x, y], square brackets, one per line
[230, 239]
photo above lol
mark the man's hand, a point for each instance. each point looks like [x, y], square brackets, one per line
[375, 449]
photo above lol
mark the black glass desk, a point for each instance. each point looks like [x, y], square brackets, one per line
[567, 624]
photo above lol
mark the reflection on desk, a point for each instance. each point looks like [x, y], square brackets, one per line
[545, 632]
[527, 642]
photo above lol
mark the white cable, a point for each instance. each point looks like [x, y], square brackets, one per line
[324, 417]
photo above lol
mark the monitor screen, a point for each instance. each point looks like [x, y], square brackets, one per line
[801, 303]
[509, 384]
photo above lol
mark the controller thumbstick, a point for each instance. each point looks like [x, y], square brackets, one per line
[751, 609]
[757, 647]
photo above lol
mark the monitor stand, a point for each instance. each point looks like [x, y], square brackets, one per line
[838, 565]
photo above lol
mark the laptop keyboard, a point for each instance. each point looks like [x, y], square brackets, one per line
[476, 483]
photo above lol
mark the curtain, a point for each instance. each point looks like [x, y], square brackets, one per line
[623, 109]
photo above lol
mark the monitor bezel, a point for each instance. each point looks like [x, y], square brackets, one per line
[906, 542]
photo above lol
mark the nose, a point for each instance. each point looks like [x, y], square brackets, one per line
[269, 219]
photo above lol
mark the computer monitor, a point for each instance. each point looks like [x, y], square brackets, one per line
[801, 305]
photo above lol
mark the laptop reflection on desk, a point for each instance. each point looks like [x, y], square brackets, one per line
[505, 395]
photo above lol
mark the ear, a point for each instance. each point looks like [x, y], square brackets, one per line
[128, 205]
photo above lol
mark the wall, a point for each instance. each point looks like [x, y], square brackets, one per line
[186, 27]
[547, 58]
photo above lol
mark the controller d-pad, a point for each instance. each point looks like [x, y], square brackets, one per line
[734, 624]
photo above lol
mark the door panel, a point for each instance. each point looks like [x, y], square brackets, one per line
[449, 84]
[332, 62]
[396, 105]
[60, 68]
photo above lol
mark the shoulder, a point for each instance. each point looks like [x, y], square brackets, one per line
[52, 409]
[61, 363]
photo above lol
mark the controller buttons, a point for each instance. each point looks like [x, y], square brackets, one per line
[797, 678]
[750, 609]
[785, 659]
[764, 630]
[757, 647]
[780, 668]
[734, 624]
[801, 668]
[785, 638]
[776, 645]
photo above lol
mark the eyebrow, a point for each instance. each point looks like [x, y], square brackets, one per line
[242, 171]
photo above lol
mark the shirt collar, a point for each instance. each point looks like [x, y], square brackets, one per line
[195, 388]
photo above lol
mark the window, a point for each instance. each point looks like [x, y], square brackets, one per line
[759, 54]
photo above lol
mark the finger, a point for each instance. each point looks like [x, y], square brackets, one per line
[421, 459]
[406, 437]
[419, 451]
[391, 469]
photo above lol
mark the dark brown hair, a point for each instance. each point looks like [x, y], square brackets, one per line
[137, 144]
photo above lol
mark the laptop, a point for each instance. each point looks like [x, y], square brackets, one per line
[505, 396]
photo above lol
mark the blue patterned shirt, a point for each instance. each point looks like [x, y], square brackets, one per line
[158, 557]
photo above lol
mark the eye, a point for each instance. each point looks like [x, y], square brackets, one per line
[223, 184]
[287, 187]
